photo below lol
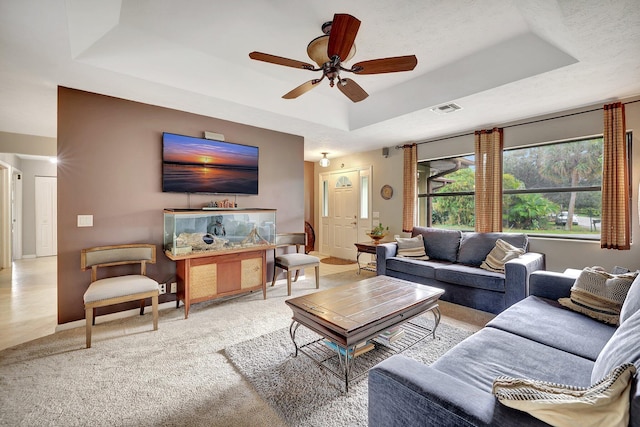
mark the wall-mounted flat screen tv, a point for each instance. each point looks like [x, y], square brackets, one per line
[198, 165]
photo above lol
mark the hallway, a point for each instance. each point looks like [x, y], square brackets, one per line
[28, 300]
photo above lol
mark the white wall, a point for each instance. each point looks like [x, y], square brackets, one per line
[384, 171]
[560, 254]
[31, 169]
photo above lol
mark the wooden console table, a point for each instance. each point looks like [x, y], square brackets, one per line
[209, 275]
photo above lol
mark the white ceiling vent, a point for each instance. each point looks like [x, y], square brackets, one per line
[446, 108]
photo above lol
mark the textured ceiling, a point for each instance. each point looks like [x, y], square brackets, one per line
[500, 60]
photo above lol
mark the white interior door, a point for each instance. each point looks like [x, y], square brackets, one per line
[16, 214]
[5, 216]
[46, 216]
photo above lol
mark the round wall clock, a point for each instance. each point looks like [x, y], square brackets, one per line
[386, 192]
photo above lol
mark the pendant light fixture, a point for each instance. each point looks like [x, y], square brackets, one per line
[324, 162]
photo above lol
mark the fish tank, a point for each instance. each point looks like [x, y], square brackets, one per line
[194, 231]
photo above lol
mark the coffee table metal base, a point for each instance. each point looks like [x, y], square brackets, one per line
[339, 363]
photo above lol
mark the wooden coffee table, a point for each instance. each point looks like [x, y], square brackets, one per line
[351, 314]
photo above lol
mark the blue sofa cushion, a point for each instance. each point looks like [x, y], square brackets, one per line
[622, 348]
[439, 243]
[420, 268]
[569, 328]
[474, 247]
[632, 302]
[472, 277]
[491, 352]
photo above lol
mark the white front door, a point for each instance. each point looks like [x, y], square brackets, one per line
[345, 215]
[46, 216]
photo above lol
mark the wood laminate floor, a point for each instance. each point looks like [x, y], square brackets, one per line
[28, 301]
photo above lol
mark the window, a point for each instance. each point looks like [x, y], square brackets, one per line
[343, 182]
[325, 198]
[364, 196]
[548, 189]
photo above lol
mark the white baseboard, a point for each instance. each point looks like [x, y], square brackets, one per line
[113, 316]
[28, 256]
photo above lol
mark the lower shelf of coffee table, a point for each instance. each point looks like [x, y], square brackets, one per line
[328, 359]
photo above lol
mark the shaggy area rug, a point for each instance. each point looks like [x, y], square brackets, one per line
[303, 393]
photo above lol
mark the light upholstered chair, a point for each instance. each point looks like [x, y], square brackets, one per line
[114, 290]
[297, 261]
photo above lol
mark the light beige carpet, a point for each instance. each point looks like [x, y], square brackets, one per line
[133, 376]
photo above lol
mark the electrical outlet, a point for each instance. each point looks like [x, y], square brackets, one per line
[174, 287]
[162, 287]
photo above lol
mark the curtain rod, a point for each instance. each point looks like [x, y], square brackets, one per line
[398, 147]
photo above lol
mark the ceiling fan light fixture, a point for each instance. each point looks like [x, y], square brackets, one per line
[317, 50]
[324, 162]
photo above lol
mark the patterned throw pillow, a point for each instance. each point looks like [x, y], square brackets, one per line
[411, 247]
[501, 253]
[599, 294]
[605, 403]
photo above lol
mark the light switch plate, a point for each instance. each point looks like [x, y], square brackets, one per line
[85, 220]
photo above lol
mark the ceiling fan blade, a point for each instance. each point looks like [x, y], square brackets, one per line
[278, 60]
[343, 33]
[352, 90]
[386, 65]
[302, 89]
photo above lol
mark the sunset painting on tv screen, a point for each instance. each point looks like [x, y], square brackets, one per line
[196, 165]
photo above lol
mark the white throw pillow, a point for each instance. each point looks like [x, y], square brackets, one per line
[499, 255]
[599, 294]
[411, 247]
[605, 403]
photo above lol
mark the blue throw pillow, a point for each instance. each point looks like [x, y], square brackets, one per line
[439, 243]
[623, 347]
[474, 247]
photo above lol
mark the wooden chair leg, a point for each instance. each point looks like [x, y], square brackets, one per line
[297, 274]
[317, 277]
[89, 321]
[154, 305]
[289, 282]
[141, 307]
[273, 281]
[93, 319]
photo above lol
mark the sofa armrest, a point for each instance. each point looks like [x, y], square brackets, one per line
[384, 251]
[517, 272]
[550, 284]
[405, 392]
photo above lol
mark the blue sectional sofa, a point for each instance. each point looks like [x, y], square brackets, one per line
[454, 265]
[536, 338]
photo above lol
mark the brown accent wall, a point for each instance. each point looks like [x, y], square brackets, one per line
[110, 166]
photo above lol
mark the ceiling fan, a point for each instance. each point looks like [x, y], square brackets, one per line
[330, 51]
